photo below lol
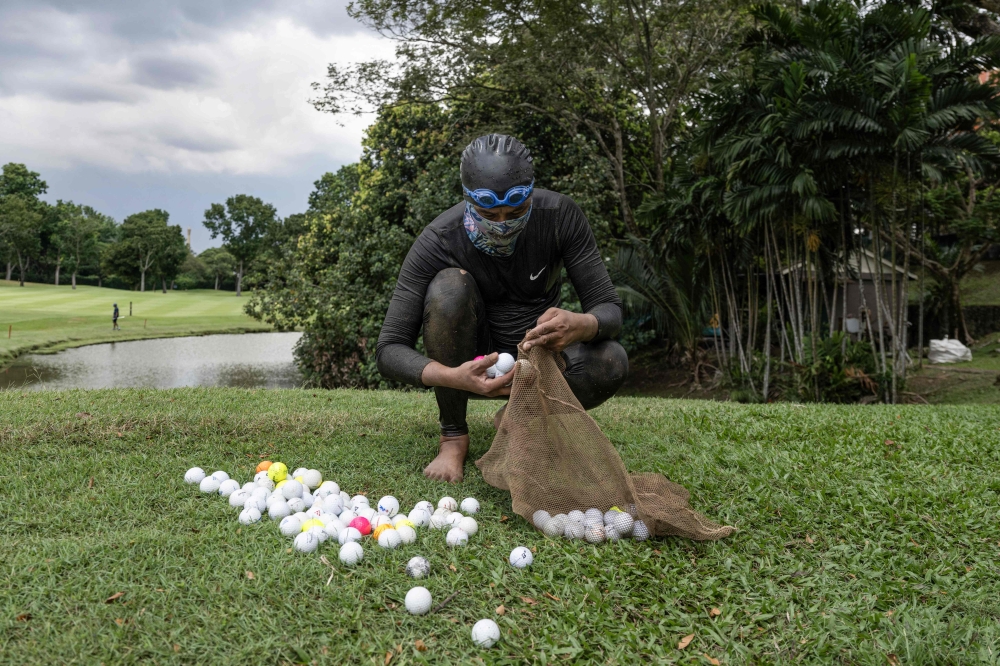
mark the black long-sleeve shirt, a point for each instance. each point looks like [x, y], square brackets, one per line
[516, 289]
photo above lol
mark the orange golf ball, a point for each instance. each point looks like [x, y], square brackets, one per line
[264, 466]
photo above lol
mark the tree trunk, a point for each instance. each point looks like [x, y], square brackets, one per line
[10, 269]
[58, 267]
[73, 278]
[239, 280]
[20, 266]
[217, 282]
[163, 282]
[142, 281]
[100, 280]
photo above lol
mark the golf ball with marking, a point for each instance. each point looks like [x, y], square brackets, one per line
[470, 506]
[418, 567]
[328, 488]
[357, 502]
[238, 498]
[457, 537]
[228, 487]
[194, 475]
[299, 471]
[249, 516]
[420, 517]
[292, 488]
[388, 505]
[296, 504]
[594, 534]
[468, 525]
[407, 534]
[348, 534]
[574, 530]
[448, 503]
[389, 539]
[277, 472]
[351, 553]
[521, 557]
[278, 510]
[290, 526]
[425, 505]
[220, 476]
[418, 601]
[312, 478]
[639, 531]
[306, 542]
[209, 485]
[485, 633]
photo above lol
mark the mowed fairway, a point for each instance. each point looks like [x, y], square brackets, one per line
[49, 318]
[867, 535]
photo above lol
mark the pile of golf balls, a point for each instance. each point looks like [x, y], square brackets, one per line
[592, 525]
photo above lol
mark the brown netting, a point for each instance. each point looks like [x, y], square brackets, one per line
[551, 455]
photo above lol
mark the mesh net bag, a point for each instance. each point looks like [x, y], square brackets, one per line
[551, 455]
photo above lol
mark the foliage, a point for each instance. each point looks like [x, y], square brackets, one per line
[79, 235]
[219, 263]
[147, 244]
[242, 223]
[842, 370]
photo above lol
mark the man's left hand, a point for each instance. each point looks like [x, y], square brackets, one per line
[558, 329]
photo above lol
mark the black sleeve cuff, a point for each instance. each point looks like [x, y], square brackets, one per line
[609, 320]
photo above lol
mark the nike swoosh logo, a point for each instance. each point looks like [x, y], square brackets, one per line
[535, 276]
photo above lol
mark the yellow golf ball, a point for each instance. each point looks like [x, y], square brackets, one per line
[309, 524]
[277, 472]
[380, 529]
[300, 479]
[405, 522]
[280, 483]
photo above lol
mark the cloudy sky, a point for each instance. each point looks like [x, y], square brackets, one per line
[130, 104]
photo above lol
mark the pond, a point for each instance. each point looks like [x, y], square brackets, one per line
[247, 360]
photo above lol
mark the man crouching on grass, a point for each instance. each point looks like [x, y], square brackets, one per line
[486, 274]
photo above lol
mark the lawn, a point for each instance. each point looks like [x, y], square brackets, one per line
[867, 535]
[46, 318]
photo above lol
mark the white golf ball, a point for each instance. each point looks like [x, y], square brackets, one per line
[220, 476]
[388, 505]
[334, 504]
[346, 516]
[248, 486]
[209, 485]
[504, 364]
[574, 530]
[594, 534]
[296, 504]
[238, 498]
[278, 510]
[290, 526]
[492, 372]
[328, 488]
[348, 534]
[457, 537]
[367, 513]
[400, 517]
[292, 488]
[357, 502]
[266, 483]
[194, 475]
[611, 534]
[262, 493]
[332, 523]
[623, 523]
[418, 567]
[255, 502]
[453, 518]
[420, 517]
[315, 511]
[312, 478]
[260, 475]
[306, 542]
[379, 520]
[609, 515]
[485, 633]
[576, 515]
[418, 601]
[594, 515]
[521, 557]
[389, 539]
[555, 526]
[299, 471]
[448, 503]
[307, 498]
[407, 534]
[345, 498]
[468, 525]
[320, 533]
[424, 505]
[539, 518]
[228, 487]
[301, 515]
[248, 516]
[351, 553]
[438, 521]
[470, 506]
[639, 531]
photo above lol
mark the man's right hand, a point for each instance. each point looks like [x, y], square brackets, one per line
[470, 376]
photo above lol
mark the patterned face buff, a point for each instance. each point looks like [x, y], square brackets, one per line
[494, 238]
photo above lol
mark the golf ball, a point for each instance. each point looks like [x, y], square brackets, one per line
[347, 535]
[400, 518]
[263, 466]
[470, 506]
[299, 471]
[377, 532]
[485, 633]
[362, 525]
[521, 557]
[457, 537]
[468, 525]
[290, 526]
[319, 532]
[266, 483]
[424, 505]
[346, 516]
[220, 476]
[209, 485]
[278, 510]
[611, 534]
[639, 531]
[255, 502]
[623, 523]
[312, 478]
[407, 534]
[453, 518]
[328, 488]
[504, 364]
[438, 521]
[357, 502]
[311, 523]
[260, 475]
[492, 372]
[351, 553]
[418, 601]
[609, 515]
[576, 515]
[539, 518]
[277, 472]
[379, 520]
[306, 542]
[574, 530]
[555, 526]
[418, 567]
[194, 475]
[388, 505]
[228, 487]
[367, 513]
[238, 498]
[595, 515]
[420, 517]
[292, 488]
[307, 498]
[248, 516]
[248, 486]
[333, 504]
[389, 539]
[594, 534]
[296, 504]
[448, 503]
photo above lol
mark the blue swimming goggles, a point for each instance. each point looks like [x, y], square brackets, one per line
[484, 198]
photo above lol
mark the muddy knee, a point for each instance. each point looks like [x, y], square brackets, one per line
[595, 371]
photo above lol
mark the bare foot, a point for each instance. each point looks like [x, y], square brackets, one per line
[498, 417]
[450, 459]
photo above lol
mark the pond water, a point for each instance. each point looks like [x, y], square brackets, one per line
[248, 360]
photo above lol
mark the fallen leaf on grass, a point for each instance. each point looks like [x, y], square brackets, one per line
[119, 621]
[529, 600]
[23, 617]
[712, 660]
[388, 658]
[177, 648]
[250, 575]
[114, 597]
[452, 567]
[83, 415]
[551, 596]
[715, 612]
[889, 613]
[90, 484]
[504, 519]
[419, 644]
[501, 610]
[893, 659]
[685, 641]
[809, 540]
[453, 620]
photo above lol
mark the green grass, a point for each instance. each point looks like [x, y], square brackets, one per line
[982, 287]
[850, 548]
[46, 318]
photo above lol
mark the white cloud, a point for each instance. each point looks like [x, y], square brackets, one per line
[230, 98]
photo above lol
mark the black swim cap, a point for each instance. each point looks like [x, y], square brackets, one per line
[496, 162]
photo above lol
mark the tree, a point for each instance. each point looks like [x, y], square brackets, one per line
[144, 237]
[18, 180]
[218, 262]
[242, 223]
[171, 255]
[78, 236]
[19, 224]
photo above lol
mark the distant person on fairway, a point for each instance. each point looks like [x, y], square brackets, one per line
[485, 275]
[114, 319]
